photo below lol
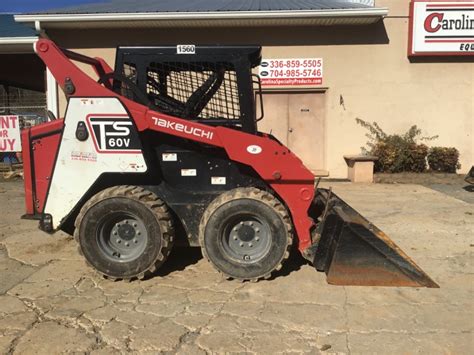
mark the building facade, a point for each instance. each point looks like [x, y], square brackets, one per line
[366, 73]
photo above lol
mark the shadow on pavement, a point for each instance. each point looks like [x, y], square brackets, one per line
[469, 188]
[179, 259]
[294, 263]
[183, 257]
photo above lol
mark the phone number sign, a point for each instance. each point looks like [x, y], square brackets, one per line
[288, 72]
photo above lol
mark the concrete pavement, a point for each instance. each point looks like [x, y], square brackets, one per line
[51, 302]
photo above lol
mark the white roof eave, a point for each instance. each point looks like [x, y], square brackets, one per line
[17, 40]
[203, 18]
[17, 45]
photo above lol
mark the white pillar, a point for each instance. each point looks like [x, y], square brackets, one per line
[51, 93]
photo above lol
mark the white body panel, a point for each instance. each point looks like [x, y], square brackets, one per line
[79, 164]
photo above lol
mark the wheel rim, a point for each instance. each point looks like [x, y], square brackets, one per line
[122, 237]
[246, 238]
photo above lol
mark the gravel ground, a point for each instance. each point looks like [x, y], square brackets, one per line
[50, 302]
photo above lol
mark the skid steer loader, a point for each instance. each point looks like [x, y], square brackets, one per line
[165, 149]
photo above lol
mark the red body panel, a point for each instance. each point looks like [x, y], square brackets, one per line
[27, 178]
[45, 150]
[40, 147]
[275, 164]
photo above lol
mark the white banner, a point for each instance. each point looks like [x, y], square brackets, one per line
[441, 28]
[294, 71]
[10, 134]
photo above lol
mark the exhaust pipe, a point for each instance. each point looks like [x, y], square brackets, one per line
[352, 251]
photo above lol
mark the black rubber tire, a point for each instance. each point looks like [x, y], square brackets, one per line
[127, 199]
[246, 201]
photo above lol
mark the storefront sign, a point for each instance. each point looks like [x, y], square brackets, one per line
[288, 72]
[441, 28]
[10, 134]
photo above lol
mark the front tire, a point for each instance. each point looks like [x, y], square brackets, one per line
[246, 234]
[124, 232]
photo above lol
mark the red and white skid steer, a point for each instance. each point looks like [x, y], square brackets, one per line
[165, 150]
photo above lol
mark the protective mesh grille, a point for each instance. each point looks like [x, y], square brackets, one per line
[194, 90]
[130, 72]
[29, 105]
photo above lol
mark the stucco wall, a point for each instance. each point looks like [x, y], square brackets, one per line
[366, 66]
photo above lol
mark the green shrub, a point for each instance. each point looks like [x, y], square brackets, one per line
[443, 159]
[396, 153]
[395, 156]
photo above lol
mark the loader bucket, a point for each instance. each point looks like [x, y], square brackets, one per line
[352, 251]
[470, 176]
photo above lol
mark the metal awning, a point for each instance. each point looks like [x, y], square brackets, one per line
[351, 16]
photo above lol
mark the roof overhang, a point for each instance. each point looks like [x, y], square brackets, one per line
[361, 16]
[17, 44]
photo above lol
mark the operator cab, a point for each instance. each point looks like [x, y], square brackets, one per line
[213, 85]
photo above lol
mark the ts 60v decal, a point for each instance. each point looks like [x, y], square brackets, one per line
[113, 134]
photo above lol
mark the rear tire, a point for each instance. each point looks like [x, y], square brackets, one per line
[246, 234]
[124, 232]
